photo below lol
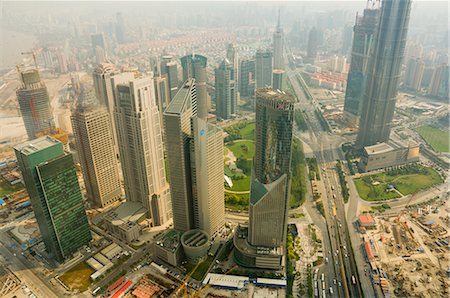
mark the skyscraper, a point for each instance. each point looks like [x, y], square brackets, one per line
[162, 96]
[195, 158]
[51, 181]
[233, 57]
[247, 78]
[313, 44]
[140, 145]
[169, 68]
[194, 66]
[120, 28]
[102, 76]
[263, 69]
[278, 75]
[269, 192]
[95, 147]
[225, 90]
[414, 73]
[34, 103]
[262, 243]
[383, 73]
[363, 41]
[278, 37]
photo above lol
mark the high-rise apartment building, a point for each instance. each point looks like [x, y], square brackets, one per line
[247, 78]
[194, 66]
[363, 41]
[226, 101]
[195, 159]
[439, 84]
[169, 68]
[95, 147]
[413, 74]
[383, 73]
[140, 146]
[269, 193]
[34, 103]
[121, 35]
[51, 182]
[278, 37]
[263, 69]
[102, 76]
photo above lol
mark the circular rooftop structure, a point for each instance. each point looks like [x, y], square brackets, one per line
[195, 244]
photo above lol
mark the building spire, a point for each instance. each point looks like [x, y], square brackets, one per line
[279, 23]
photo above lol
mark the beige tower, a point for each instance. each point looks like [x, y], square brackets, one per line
[207, 176]
[140, 146]
[94, 139]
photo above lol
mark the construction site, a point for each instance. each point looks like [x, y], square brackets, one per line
[407, 251]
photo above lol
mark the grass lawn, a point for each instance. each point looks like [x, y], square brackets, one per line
[78, 277]
[406, 184]
[200, 272]
[6, 188]
[241, 184]
[436, 138]
[248, 131]
[239, 149]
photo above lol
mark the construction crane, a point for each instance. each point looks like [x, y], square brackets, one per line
[183, 284]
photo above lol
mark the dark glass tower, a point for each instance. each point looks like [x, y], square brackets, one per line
[247, 78]
[225, 90]
[363, 40]
[271, 171]
[383, 73]
[52, 184]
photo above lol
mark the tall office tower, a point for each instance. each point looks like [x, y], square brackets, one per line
[120, 28]
[439, 85]
[363, 41]
[194, 153]
[383, 73]
[194, 66]
[263, 69]
[414, 73]
[140, 146]
[169, 68]
[225, 95]
[313, 44]
[34, 103]
[233, 57]
[347, 34]
[102, 76]
[51, 182]
[207, 176]
[247, 78]
[269, 192]
[278, 37]
[95, 147]
[278, 75]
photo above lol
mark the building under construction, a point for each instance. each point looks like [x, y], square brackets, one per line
[34, 103]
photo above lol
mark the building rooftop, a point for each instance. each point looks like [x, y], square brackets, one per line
[127, 212]
[33, 146]
[378, 148]
[194, 238]
[169, 240]
[366, 218]
[276, 95]
[226, 281]
[179, 102]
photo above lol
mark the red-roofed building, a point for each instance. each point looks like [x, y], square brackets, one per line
[368, 250]
[145, 290]
[366, 220]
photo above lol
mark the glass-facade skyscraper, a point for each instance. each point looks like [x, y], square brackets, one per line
[383, 73]
[52, 184]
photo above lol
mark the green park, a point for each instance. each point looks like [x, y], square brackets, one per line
[398, 182]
